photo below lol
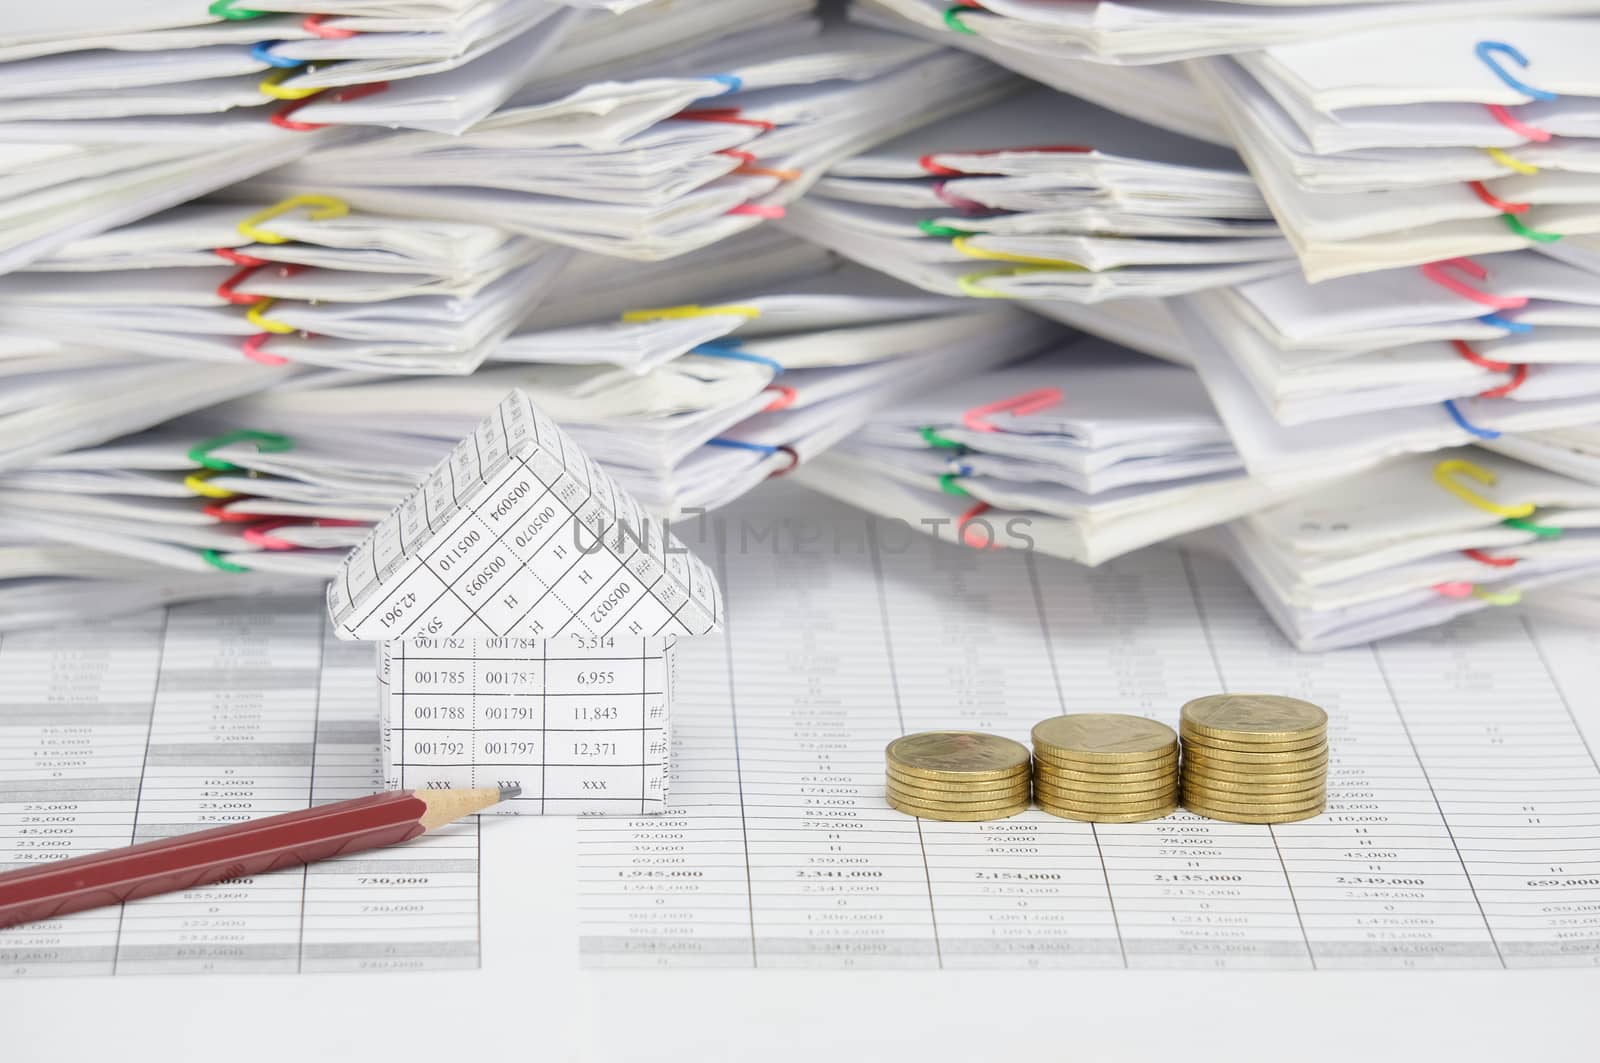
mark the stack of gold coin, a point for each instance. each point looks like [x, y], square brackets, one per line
[1105, 768]
[1254, 758]
[957, 775]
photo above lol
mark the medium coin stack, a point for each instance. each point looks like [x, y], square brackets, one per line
[957, 775]
[1254, 758]
[1105, 767]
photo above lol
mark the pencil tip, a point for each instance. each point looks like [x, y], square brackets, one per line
[508, 792]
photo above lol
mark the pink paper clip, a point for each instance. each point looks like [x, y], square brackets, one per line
[252, 350]
[786, 396]
[794, 459]
[1435, 271]
[257, 535]
[1020, 405]
[759, 210]
[1516, 125]
[313, 24]
[1454, 590]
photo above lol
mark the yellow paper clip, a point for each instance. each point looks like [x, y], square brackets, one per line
[322, 209]
[1444, 476]
[1510, 162]
[972, 283]
[679, 313]
[198, 482]
[272, 85]
[266, 324]
[963, 245]
[1511, 597]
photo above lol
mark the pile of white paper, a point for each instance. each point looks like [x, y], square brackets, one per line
[1414, 543]
[1086, 452]
[1044, 196]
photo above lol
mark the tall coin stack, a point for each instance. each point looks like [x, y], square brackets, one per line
[1105, 767]
[957, 775]
[1254, 758]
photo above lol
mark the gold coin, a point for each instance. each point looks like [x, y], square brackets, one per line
[1243, 817]
[1091, 762]
[1103, 737]
[1254, 807]
[1214, 774]
[943, 791]
[945, 797]
[1253, 790]
[1106, 817]
[1253, 717]
[898, 798]
[1073, 786]
[954, 816]
[1317, 754]
[957, 756]
[1170, 797]
[1191, 741]
[1055, 771]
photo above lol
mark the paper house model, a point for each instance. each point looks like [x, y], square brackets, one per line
[525, 609]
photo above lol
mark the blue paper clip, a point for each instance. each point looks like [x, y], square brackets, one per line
[262, 53]
[1486, 51]
[1455, 415]
[733, 353]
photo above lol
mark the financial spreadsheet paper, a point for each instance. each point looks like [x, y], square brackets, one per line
[1462, 828]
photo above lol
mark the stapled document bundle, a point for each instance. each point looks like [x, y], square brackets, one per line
[526, 609]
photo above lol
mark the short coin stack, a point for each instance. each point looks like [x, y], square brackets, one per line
[1105, 767]
[1254, 758]
[957, 775]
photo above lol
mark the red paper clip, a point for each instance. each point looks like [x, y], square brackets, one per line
[238, 258]
[1435, 271]
[1519, 375]
[938, 170]
[961, 203]
[730, 115]
[794, 459]
[1020, 405]
[280, 117]
[964, 526]
[313, 24]
[1495, 201]
[1483, 558]
[217, 511]
[227, 289]
[1477, 359]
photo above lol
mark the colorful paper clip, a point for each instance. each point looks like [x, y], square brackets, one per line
[225, 9]
[972, 283]
[1486, 559]
[1437, 273]
[941, 170]
[931, 436]
[1461, 421]
[689, 310]
[785, 399]
[1543, 531]
[257, 534]
[256, 315]
[1511, 162]
[1517, 125]
[252, 350]
[1455, 589]
[1495, 201]
[730, 115]
[964, 527]
[281, 119]
[266, 443]
[315, 24]
[739, 444]
[963, 244]
[952, 18]
[733, 352]
[1486, 52]
[261, 52]
[947, 484]
[1514, 223]
[1022, 405]
[1511, 597]
[199, 483]
[794, 459]
[759, 210]
[1444, 474]
[272, 85]
[1518, 371]
[966, 206]
[216, 560]
[321, 208]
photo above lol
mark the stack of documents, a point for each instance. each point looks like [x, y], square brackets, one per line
[632, 165]
[1085, 453]
[1421, 143]
[110, 111]
[283, 482]
[1415, 543]
[1043, 196]
[1339, 375]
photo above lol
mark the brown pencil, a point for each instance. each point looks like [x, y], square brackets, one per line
[249, 848]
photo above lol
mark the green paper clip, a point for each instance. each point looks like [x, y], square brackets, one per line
[266, 442]
[952, 18]
[933, 228]
[216, 560]
[947, 484]
[225, 9]
[931, 437]
[1514, 223]
[1543, 531]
